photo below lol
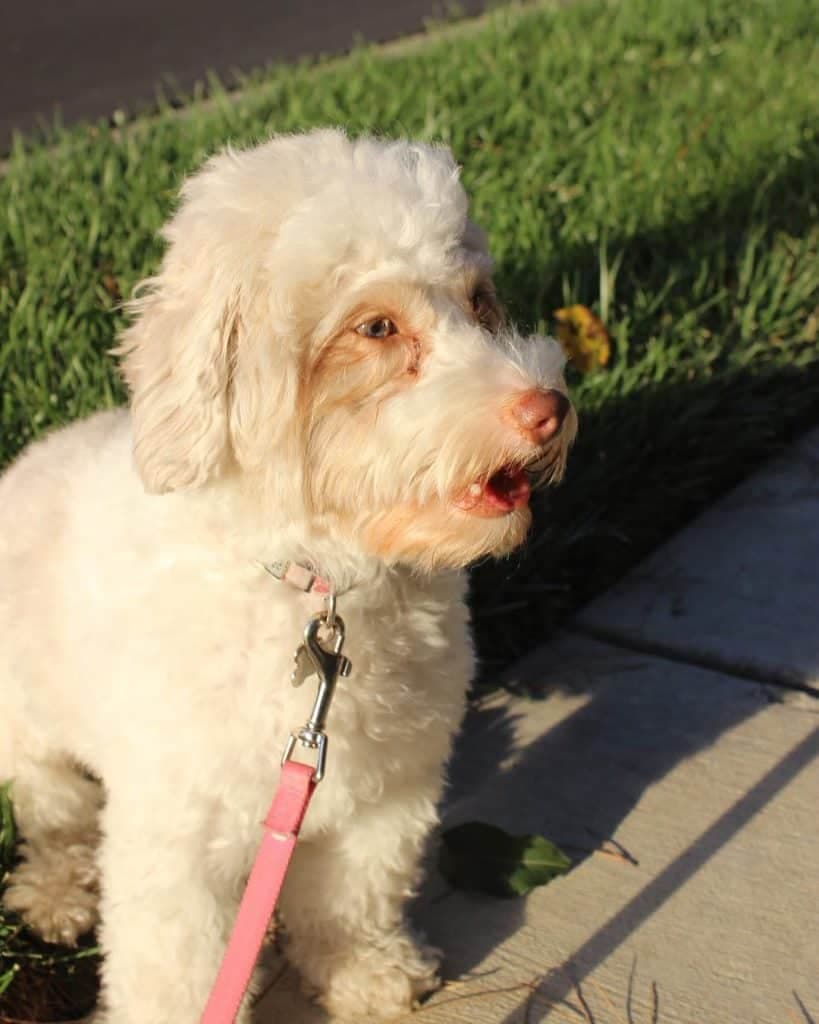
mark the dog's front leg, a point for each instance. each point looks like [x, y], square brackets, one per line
[343, 909]
[165, 918]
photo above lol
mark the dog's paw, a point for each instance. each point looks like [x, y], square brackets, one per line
[54, 891]
[382, 984]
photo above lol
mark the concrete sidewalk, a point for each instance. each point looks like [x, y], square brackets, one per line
[672, 752]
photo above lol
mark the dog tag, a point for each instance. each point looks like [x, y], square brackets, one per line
[303, 667]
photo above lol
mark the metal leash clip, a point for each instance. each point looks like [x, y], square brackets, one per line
[328, 664]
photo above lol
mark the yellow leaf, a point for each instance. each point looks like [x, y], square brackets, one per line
[583, 336]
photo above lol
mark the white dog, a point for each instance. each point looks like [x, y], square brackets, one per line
[319, 376]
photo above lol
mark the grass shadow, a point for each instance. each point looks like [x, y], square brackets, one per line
[710, 379]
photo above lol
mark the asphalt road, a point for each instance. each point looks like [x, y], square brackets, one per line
[90, 57]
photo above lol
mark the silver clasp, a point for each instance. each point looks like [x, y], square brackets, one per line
[329, 663]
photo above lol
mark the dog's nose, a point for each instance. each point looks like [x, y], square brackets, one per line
[539, 414]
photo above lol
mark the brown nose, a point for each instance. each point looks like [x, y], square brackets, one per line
[539, 415]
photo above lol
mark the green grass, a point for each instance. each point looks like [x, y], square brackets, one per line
[657, 161]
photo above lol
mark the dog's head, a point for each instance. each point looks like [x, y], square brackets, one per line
[324, 329]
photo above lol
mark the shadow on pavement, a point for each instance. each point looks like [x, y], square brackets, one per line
[560, 981]
[631, 720]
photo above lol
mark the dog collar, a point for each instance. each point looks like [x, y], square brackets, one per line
[300, 577]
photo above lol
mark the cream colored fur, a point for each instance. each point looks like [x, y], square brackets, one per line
[146, 654]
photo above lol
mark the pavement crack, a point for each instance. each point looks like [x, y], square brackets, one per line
[697, 659]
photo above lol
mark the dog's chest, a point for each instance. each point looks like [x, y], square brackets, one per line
[391, 721]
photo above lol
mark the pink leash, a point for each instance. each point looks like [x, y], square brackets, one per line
[282, 824]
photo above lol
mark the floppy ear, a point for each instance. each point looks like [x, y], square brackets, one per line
[211, 355]
[176, 363]
[182, 354]
[176, 355]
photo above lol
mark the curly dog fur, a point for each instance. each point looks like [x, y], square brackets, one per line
[319, 372]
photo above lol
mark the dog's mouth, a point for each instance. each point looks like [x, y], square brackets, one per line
[504, 491]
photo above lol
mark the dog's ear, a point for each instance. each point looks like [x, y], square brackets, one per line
[207, 374]
[176, 354]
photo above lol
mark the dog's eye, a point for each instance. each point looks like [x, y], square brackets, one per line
[485, 309]
[380, 328]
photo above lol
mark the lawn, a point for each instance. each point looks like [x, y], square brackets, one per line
[655, 161]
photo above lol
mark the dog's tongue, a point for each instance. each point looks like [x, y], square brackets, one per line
[507, 489]
[503, 492]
